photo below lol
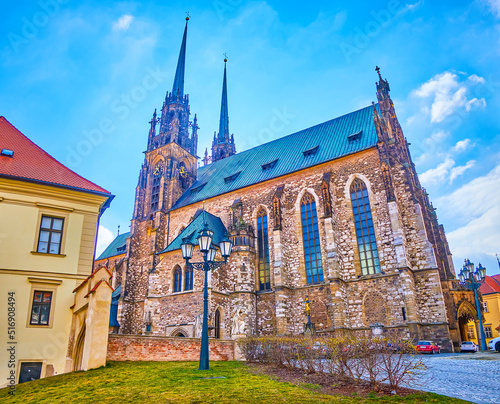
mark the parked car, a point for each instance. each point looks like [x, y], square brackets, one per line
[494, 344]
[427, 347]
[468, 346]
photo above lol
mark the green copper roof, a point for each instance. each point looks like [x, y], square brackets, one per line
[318, 144]
[193, 229]
[112, 249]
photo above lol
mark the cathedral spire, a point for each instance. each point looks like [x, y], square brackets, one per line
[223, 144]
[224, 116]
[178, 89]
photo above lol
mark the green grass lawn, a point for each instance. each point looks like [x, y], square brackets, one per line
[180, 382]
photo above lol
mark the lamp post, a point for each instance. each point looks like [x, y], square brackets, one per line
[473, 280]
[208, 250]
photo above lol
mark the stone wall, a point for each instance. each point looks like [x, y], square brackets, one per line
[346, 298]
[148, 348]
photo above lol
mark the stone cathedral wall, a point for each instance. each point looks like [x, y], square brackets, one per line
[346, 299]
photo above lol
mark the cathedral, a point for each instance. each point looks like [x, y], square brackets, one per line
[334, 213]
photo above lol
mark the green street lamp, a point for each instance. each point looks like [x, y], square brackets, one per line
[472, 280]
[209, 251]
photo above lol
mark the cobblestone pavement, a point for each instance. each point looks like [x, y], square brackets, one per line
[470, 377]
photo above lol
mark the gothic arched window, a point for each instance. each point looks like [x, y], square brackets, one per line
[365, 232]
[217, 324]
[177, 279]
[188, 279]
[310, 234]
[263, 250]
[155, 190]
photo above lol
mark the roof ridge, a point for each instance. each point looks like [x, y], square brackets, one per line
[287, 136]
[55, 160]
[332, 137]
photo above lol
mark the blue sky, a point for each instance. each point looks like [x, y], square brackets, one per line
[82, 78]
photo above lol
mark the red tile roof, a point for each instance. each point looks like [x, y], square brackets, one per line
[32, 163]
[491, 285]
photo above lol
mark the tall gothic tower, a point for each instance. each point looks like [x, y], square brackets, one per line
[223, 145]
[397, 164]
[169, 168]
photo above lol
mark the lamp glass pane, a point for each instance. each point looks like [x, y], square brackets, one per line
[211, 254]
[225, 248]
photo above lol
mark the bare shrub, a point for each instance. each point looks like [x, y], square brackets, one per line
[347, 356]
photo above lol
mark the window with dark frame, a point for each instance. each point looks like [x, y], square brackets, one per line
[310, 234]
[177, 279]
[217, 324]
[155, 193]
[188, 282]
[365, 232]
[487, 332]
[50, 236]
[263, 251]
[40, 309]
[30, 371]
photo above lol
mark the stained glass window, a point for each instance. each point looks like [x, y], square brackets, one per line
[365, 232]
[263, 250]
[310, 234]
[177, 279]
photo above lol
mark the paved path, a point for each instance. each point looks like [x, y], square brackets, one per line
[471, 377]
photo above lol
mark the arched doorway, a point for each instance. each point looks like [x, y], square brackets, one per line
[465, 313]
[80, 342]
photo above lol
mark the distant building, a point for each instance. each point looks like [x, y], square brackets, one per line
[490, 290]
[334, 212]
[48, 221]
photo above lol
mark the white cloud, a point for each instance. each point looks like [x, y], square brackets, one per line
[410, 7]
[444, 171]
[495, 6]
[105, 237]
[436, 137]
[476, 79]
[437, 175]
[123, 22]
[476, 104]
[459, 170]
[478, 237]
[461, 145]
[473, 199]
[448, 95]
[475, 208]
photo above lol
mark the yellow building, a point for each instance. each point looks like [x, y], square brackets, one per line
[490, 290]
[48, 222]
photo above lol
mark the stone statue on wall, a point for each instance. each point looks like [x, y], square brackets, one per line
[238, 323]
[198, 325]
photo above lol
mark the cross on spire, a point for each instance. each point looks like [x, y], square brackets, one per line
[377, 69]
